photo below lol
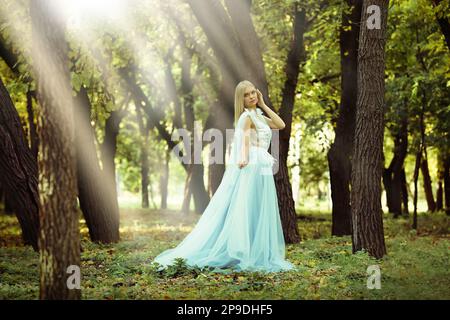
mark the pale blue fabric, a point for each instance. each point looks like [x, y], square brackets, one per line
[240, 229]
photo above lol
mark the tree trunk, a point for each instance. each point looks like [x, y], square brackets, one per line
[296, 55]
[187, 192]
[439, 197]
[19, 171]
[59, 241]
[108, 154]
[341, 149]
[427, 185]
[447, 184]
[404, 192]
[164, 181]
[443, 24]
[33, 134]
[416, 178]
[92, 191]
[419, 157]
[143, 144]
[367, 215]
[196, 170]
[392, 176]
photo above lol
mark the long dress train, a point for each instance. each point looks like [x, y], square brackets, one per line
[240, 228]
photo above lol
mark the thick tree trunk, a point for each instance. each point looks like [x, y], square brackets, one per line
[92, 191]
[367, 215]
[340, 152]
[18, 171]
[59, 241]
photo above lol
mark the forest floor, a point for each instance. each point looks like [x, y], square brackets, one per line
[416, 267]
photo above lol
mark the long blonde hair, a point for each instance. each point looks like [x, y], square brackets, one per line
[239, 98]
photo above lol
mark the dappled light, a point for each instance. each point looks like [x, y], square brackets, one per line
[264, 150]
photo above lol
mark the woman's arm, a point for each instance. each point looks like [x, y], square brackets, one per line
[245, 143]
[275, 122]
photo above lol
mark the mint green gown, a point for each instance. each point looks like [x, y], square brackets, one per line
[240, 229]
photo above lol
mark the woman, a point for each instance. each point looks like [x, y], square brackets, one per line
[241, 227]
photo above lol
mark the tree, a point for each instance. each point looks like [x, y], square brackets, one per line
[442, 21]
[19, 178]
[367, 215]
[97, 202]
[59, 239]
[340, 152]
[284, 189]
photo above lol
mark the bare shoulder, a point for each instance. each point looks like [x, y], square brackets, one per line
[248, 123]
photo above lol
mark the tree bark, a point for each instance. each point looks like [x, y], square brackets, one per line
[164, 181]
[34, 141]
[108, 153]
[93, 196]
[195, 170]
[144, 140]
[59, 241]
[404, 192]
[427, 185]
[339, 155]
[392, 176]
[447, 184]
[284, 188]
[440, 178]
[19, 171]
[367, 215]
[415, 179]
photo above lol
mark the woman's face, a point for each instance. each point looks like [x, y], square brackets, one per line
[250, 97]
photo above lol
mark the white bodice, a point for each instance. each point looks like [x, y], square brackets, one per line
[262, 136]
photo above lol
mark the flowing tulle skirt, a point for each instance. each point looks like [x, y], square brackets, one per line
[240, 228]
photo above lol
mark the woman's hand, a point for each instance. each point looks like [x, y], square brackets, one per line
[242, 163]
[261, 102]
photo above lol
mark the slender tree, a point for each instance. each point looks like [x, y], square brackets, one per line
[296, 55]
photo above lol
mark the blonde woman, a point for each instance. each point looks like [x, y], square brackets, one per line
[241, 229]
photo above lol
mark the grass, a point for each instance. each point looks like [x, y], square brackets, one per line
[416, 267]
